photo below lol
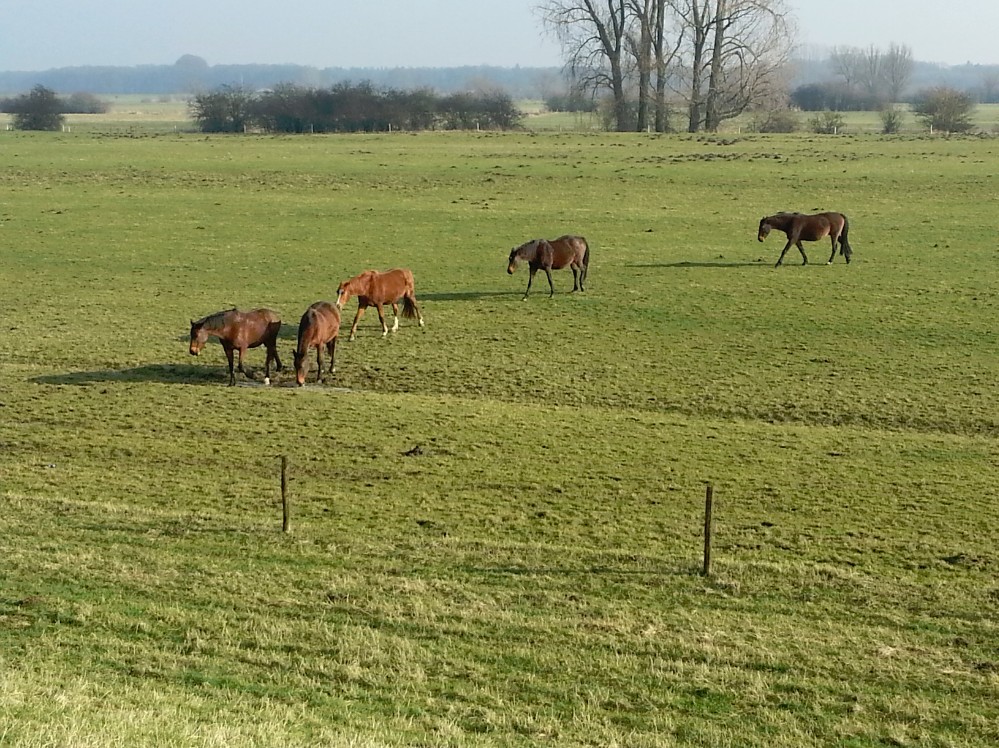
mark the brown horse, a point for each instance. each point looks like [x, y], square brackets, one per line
[809, 228]
[541, 254]
[319, 326]
[238, 331]
[377, 289]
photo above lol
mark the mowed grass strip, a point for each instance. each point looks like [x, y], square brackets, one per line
[496, 519]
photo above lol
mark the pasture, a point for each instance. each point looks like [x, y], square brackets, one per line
[496, 519]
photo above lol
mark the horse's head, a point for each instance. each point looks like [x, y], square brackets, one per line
[342, 294]
[199, 336]
[525, 251]
[764, 229]
[511, 264]
[300, 367]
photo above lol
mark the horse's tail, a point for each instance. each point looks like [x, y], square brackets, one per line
[844, 241]
[409, 308]
[586, 254]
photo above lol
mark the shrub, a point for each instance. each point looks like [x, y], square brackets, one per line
[778, 121]
[826, 123]
[944, 108]
[38, 110]
[891, 120]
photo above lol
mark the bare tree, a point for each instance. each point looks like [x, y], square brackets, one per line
[593, 36]
[847, 62]
[750, 48]
[897, 70]
[879, 75]
[720, 56]
[654, 54]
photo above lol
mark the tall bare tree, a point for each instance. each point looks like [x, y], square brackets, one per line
[593, 36]
[750, 44]
[897, 69]
[720, 56]
[654, 53]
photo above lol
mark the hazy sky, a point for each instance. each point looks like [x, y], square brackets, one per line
[43, 34]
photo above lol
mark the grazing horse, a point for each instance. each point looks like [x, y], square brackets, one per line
[809, 228]
[541, 254]
[378, 289]
[238, 331]
[319, 326]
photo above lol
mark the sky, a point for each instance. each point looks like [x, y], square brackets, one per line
[42, 34]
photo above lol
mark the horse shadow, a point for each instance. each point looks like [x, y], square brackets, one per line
[467, 295]
[160, 373]
[688, 264]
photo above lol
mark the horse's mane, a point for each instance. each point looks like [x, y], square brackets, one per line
[214, 320]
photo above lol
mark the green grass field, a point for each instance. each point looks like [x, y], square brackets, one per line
[531, 574]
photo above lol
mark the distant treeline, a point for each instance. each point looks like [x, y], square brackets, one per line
[349, 108]
[191, 74]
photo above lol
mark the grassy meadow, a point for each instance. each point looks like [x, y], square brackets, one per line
[497, 519]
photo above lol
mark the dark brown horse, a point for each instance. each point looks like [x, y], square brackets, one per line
[377, 289]
[809, 228]
[541, 254]
[319, 327]
[238, 331]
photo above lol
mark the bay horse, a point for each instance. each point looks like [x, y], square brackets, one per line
[540, 254]
[800, 227]
[373, 288]
[318, 328]
[238, 331]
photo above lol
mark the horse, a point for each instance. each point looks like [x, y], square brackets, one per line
[541, 254]
[319, 326]
[374, 288]
[809, 228]
[238, 331]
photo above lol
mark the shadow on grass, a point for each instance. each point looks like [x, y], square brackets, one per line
[686, 264]
[163, 373]
[466, 295]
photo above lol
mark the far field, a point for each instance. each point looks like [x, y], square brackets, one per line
[496, 529]
[148, 114]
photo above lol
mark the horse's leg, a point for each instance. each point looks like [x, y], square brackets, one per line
[319, 364]
[530, 280]
[575, 279]
[228, 355]
[801, 248]
[277, 359]
[419, 314]
[834, 237]
[381, 318]
[551, 285]
[395, 314]
[353, 327]
[783, 252]
[331, 349]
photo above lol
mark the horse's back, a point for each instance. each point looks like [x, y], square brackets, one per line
[820, 225]
[391, 285]
[567, 249]
[320, 323]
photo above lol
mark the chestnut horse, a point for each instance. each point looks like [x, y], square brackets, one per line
[541, 254]
[377, 289]
[238, 331]
[809, 228]
[319, 326]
